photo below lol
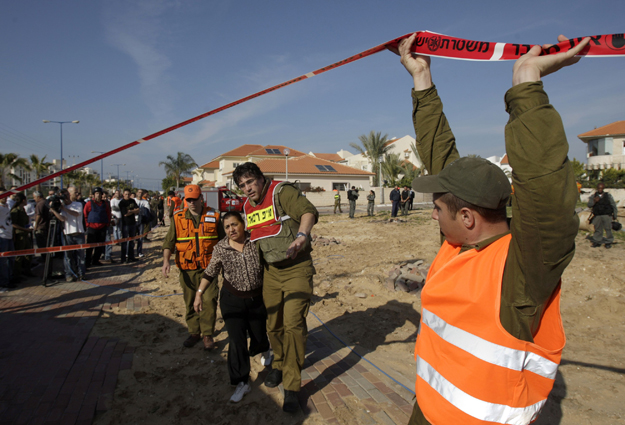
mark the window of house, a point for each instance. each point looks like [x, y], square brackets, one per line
[235, 164]
[339, 186]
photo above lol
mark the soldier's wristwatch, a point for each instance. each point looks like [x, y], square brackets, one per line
[301, 234]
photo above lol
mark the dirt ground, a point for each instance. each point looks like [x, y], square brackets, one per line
[169, 384]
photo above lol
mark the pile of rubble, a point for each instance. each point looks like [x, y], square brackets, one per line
[321, 241]
[408, 276]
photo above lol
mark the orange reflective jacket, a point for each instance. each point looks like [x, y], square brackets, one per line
[470, 370]
[194, 246]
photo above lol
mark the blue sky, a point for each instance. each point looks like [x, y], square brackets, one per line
[127, 69]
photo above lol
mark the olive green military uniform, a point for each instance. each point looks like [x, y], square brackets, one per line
[544, 224]
[370, 204]
[287, 288]
[21, 240]
[202, 323]
[337, 202]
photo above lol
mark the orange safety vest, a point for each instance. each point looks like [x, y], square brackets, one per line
[470, 370]
[194, 246]
[263, 220]
[177, 203]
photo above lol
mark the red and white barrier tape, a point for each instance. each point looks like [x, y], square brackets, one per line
[427, 43]
[49, 250]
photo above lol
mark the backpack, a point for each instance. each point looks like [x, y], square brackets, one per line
[146, 216]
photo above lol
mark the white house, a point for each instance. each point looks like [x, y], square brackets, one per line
[605, 146]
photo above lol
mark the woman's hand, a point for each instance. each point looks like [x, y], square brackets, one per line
[197, 304]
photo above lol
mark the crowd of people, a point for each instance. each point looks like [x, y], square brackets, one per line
[64, 217]
[490, 307]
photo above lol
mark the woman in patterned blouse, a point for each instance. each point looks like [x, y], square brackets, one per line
[241, 299]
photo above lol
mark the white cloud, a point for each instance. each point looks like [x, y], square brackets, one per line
[135, 28]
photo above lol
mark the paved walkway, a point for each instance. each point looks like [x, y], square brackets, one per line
[54, 372]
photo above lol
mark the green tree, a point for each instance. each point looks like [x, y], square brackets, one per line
[391, 168]
[579, 170]
[410, 172]
[39, 166]
[373, 147]
[167, 183]
[8, 161]
[179, 166]
[413, 146]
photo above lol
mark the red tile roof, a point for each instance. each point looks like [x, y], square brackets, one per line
[504, 160]
[615, 129]
[187, 179]
[243, 150]
[207, 183]
[334, 157]
[263, 152]
[212, 164]
[306, 164]
[390, 141]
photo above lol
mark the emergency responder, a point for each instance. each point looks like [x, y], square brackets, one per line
[337, 201]
[280, 219]
[192, 235]
[494, 361]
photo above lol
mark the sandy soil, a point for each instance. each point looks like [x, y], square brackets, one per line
[169, 384]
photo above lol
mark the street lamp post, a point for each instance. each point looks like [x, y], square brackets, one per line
[101, 168]
[286, 155]
[380, 182]
[61, 125]
[117, 165]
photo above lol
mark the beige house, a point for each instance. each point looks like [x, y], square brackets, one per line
[605, 146]
[213, 173]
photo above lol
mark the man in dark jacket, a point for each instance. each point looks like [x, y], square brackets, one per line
[603, 211]
[98, 218]
[395, 199]
[352, 196]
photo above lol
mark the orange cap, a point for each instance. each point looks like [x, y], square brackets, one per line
[192, 191]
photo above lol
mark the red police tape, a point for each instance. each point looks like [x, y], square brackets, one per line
[34, 251]
[426, 43]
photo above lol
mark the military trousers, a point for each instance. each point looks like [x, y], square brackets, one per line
[601, 223]
[352, 208]
[286, 293]
[202, 323]
[370, 206]
[337, 204]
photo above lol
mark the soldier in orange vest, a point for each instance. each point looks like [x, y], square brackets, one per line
[193, 234]
[491, 337]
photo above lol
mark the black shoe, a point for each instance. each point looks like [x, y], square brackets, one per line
[608, 245]
[112, 261]
[192, 340]
[595, 245]
[9, 286]
[274, 378]
[132, 260]
[96, 264]
[291, 405]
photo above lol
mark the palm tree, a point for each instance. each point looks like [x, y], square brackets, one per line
[39, 166]
[179, 166]
[391, 167]
[9, 161]
[373, 147]
[413, 146]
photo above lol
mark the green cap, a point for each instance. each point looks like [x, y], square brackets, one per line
[474, 180]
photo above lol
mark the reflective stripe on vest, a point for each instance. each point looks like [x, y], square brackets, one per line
[475, 407]
[194, 246]
[470, 370]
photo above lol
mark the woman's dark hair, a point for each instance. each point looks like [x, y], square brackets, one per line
[234, 214]
[19, 198]
[246, 169]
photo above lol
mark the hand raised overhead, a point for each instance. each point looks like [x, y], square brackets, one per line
[532, 67]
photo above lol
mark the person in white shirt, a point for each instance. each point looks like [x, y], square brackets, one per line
[115, 229]
[141, 227]
[6, 244]
[74, 231]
